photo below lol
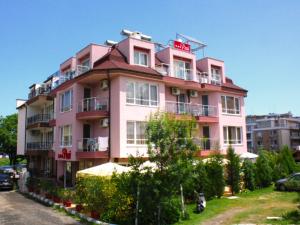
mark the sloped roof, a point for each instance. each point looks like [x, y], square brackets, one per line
[116, 60]
[229, 84]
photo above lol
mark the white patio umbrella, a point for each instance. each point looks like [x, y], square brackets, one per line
[106, 169]
[224, 161]
[148, 164]
[248, 155]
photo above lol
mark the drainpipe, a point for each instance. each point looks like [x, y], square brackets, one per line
[109, 113]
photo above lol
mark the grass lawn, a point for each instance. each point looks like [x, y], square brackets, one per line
[251, 207]
[4, 161]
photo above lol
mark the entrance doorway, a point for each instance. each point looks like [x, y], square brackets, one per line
[206, 142]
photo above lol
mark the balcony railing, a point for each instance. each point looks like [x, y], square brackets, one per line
[63, 77]
[93, 104]
[39, 145]
[44, 90]
[202, 77]
[93, 144]
[191, 109]
[182, 73]
[39, 118]
[207, 143]
[215, 79]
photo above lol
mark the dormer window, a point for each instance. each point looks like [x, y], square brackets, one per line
[141, 58]
[215, 76]
[182, 70]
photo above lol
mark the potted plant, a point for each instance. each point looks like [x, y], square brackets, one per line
[66, 197]
[80, 193]
[30, 184]
[57, 195]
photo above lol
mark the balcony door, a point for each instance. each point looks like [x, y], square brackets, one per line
[181, 104]
[86, 136]
[87, 99]
[206, 136]
[205, 105]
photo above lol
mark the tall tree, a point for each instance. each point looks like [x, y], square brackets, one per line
[248, 169]
[263, 170]
[233, 170]
[8, 136]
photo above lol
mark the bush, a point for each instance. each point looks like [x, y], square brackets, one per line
[215, 173]
[263, 170]
[201, 181]
[285, 164]
[248, 170]
[233, 170]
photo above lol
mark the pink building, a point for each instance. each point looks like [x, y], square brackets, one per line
[94, 109]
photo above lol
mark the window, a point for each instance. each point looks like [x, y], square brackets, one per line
[66, 136]
[232, 135]
[142, 94]
[182, 70]
[140, 58]
[215, 76]
[66, 101]
[230, 105]
[136, 132]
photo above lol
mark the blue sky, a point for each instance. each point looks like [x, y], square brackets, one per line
[258, 40]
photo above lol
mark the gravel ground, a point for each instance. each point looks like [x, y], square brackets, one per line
[15, 209]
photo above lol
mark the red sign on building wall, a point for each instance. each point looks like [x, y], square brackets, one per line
[65, 154]
[182, 46]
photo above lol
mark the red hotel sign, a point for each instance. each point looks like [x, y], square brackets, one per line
[65, 154]
[182, 46]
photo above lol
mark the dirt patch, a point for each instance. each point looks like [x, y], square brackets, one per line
[224, 217]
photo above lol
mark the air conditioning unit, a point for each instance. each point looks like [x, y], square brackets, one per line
[104, 122]
[104, 84]
[175, 91]
[193, 94]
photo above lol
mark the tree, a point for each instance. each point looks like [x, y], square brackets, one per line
[8, 136]
[285, 163]
[248, 169]
[233, 170]
[215, 173]
[171, 148]
[263, 170]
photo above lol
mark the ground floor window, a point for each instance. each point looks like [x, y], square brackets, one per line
[232, 135]
[136, 131]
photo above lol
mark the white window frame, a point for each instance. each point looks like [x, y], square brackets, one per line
[233, 111]
[140, 55]
[233, 141]
[137, 101]
[186, 71]
[63, 143]
[135, 140]
[61, 99]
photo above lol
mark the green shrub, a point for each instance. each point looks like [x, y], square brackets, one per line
[215, 173]
[263, 171]
[248, 169]
[233, 170]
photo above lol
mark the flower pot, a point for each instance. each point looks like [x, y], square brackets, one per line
[79, 207]
[67, 203]
[95, 215]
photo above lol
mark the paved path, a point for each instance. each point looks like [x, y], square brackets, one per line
[15, 209]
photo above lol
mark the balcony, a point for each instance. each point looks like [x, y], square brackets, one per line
[39, 146]
[61, 78]
[163, 69]
[43, 90]
[183, 73]
[92, 147]
[38, 120]
[207, 146]
[92, 108]
[202, 113]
